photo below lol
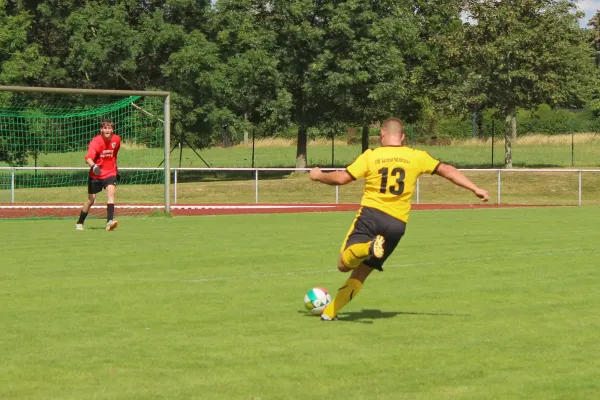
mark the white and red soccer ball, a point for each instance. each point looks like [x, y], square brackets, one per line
[316, 299]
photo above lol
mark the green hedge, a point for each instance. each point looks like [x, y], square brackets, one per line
[543, 120]
[442, 129]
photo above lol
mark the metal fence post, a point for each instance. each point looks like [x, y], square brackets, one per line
[572, 142]
[256, 185]
[492, 143]
[12, 185]
[580, 188]
[337, 194]
[175, 187]
[499, 184]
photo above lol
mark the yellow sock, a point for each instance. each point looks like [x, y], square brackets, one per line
[343, 297]
[355, 254]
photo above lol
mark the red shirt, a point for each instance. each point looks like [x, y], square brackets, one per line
[104, 154]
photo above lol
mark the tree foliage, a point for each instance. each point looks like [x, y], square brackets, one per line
[267, 66]
[518, 54]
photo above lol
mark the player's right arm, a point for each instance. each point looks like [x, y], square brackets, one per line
[357, 169]
[330, 178]
[459, 179]
[91, 155]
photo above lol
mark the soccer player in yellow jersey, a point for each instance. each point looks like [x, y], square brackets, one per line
[390, 173]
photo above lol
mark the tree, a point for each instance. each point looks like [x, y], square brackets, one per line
[438, 76]
[101, 46]
[361, 70]
[21, 63]
[384, 59]
[594, 23]
[194, 73]
[521, 53]
[252, 96]
[300, 28]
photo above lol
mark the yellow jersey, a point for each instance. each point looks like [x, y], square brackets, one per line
[391, 174]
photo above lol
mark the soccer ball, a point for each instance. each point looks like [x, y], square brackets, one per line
[316, 299]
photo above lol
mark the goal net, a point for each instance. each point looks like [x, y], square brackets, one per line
[44, 137]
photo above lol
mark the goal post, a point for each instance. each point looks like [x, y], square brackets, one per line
[44, 135]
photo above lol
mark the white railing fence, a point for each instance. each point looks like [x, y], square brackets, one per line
[256, 172]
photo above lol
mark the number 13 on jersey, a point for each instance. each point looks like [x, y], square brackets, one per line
[396, 177]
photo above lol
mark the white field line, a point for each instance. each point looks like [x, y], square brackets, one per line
[387, 266]
[175, 207]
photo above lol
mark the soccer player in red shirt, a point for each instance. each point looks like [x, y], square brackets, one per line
[102, 159]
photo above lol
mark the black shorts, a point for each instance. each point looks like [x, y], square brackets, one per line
[371, 222]
[97, 185]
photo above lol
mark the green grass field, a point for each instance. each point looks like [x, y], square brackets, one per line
[474, 304]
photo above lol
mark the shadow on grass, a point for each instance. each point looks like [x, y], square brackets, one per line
[366, 316]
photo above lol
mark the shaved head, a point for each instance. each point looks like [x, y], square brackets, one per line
[393, 126]
[392, 132]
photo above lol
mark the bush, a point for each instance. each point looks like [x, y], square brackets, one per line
[438, 129]
[544, 120]
[557, 121]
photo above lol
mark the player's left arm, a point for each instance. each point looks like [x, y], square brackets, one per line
[116, 164]
[330, 178]
[434, 166]
[459, 179]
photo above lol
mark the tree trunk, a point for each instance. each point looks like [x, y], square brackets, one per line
[480, 132]
[301, 147]
[509, 123]
[513, 125]
[365, 137]
[245, 130]
[227, 139]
